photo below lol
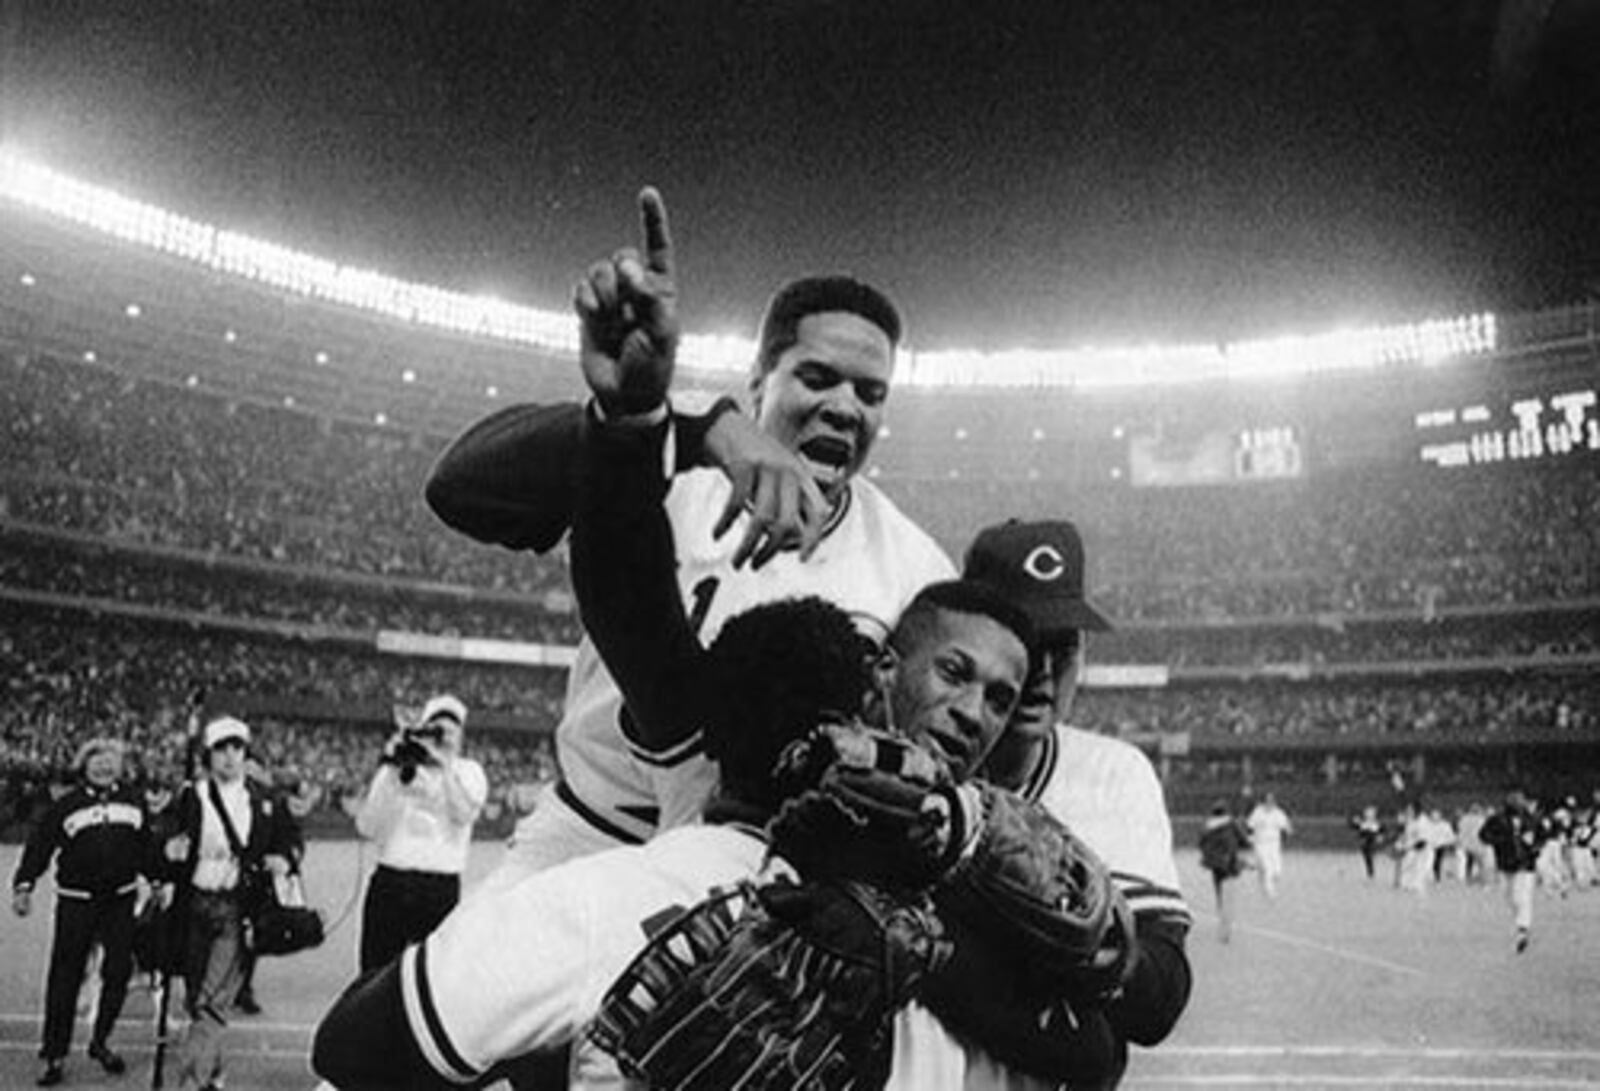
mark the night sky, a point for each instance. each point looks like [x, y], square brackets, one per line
[1017, 174]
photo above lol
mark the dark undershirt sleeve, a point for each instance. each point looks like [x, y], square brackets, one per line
[624, 573]
[364, 1042]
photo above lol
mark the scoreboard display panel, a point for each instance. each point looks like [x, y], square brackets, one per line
[1220, 456]
[1552, 425]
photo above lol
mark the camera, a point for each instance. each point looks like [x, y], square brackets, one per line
[408, 754]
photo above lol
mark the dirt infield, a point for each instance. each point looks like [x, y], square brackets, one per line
[1339, 983]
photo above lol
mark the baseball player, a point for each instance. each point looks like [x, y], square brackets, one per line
[1224, 843]
[525, 967]
[622, 556]
[1102, 789]
[1269, 825]
[1517, 833]
[99, 836]
[1369, 831]
[822, 373]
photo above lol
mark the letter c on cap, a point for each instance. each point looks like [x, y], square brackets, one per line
[1045, 564]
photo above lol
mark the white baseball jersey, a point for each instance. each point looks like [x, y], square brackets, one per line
[1268, 824]
[527, 966]
[1104, 790]
[871, 562]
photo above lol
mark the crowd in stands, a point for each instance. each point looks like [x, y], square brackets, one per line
[88, 449]
[1416, 539]
[136, 461]
[127, 576]
[64, 674]
[1523, 636]
[119, 490]
[1469, 706]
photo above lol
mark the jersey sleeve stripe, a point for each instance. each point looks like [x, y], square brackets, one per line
[1046, 768]
[565, 793]
[675, 755]
[1147, 898]
[426, 1026]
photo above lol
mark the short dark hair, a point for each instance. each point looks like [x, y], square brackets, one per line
[780, 326]
[774, 673]
[962, 597]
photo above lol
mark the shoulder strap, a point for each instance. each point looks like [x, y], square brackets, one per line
[227, 822]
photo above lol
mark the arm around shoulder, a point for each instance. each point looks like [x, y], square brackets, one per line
[507, 480]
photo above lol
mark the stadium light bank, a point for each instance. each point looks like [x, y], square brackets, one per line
[31, 184]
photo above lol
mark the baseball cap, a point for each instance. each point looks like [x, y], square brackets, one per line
[1039, 567]
[224, 728]
[99, 745]
[445, 707]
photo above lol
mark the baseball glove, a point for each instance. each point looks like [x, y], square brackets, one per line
[782, 987]
[1034, 890]
[869, 806]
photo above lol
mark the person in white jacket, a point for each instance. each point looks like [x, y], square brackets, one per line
[1269, 824]
[419, 811]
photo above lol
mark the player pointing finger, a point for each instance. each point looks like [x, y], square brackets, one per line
[628, 318]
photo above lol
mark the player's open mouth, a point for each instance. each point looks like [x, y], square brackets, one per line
[829, 456]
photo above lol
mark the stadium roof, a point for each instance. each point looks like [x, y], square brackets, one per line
[1020, 175]
[32, 186]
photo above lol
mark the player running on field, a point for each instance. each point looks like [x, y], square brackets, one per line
[1269, 825]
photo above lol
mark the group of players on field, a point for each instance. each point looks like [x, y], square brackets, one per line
[750, 602]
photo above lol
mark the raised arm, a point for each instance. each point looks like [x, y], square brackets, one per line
[624, 566]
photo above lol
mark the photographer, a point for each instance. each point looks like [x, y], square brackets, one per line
[224, 827]
[419, 810]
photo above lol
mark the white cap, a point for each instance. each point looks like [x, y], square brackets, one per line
[445, 706]
[100, 745]
[224, 728]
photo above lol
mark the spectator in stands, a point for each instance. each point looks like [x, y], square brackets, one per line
[419, 809]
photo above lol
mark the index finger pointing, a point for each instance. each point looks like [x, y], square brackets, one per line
[657, 239]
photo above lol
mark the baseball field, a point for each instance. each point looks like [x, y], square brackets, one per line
[1339, 983]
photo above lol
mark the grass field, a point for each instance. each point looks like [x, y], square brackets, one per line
[1339, 983]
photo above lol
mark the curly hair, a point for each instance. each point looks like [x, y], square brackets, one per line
[773, 673]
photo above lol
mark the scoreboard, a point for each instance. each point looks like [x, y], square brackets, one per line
[1217, 456]
[1549, 425]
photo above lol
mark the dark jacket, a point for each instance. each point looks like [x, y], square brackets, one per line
[273, 831]
[100, 839]
[1222, 846]
[1516, 836]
